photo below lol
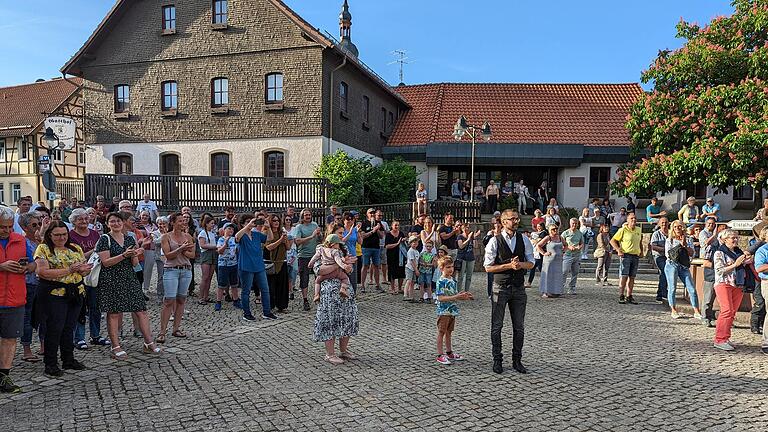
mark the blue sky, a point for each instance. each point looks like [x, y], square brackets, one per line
[447, 40]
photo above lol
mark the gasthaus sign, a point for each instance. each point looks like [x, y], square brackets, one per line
[64, 128]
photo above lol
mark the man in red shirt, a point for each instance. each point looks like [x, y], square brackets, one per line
[16, 258]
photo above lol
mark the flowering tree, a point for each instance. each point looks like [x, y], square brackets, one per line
[706, 121]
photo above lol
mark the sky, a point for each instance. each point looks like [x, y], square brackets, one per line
[558, 41]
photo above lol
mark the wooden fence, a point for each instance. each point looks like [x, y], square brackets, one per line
[202, 193]
[404, 212]
[71, 188]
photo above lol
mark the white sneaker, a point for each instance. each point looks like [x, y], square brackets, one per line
[723, 346]
[675, 315]
[697, 316]
[730, 342]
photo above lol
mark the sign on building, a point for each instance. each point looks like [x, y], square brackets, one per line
[64, 128]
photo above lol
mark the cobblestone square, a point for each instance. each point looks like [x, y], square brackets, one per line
[593, 365]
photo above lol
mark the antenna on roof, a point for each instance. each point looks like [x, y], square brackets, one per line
[402, 60]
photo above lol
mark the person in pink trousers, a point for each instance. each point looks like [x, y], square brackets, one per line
[730, 272]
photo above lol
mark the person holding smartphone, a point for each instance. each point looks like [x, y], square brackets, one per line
[179, 249]
[250, 263]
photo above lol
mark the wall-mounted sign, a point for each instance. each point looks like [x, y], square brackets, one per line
[64, 128]
[742, 225]
[577, 182]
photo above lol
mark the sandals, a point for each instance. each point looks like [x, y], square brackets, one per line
[334, 360]
[118, 353]
[178, 334]
[202, 302]
[160, 338]
[151, 348]
[31, 359]
[81, 345]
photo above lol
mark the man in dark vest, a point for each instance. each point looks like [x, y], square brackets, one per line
[508, 256]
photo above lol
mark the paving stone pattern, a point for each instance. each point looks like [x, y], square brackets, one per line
[594, 365]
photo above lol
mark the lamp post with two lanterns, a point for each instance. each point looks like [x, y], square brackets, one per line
[463, 128]
[53, 143]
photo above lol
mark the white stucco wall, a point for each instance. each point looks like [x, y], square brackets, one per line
[301, 155]
[330, 147]
[578, 197]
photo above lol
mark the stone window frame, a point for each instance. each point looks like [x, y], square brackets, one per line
[265, 158]
[168, 21]
[219, 152]
[118, 157]
[169, 109]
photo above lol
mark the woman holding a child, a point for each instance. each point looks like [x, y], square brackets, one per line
[336, 316]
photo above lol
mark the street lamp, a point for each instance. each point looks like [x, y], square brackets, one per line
[463, 128]
[51, 140]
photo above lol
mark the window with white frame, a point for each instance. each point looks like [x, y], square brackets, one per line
[2, 193]
[15, 192]
[58, 155]
[2, 150]
[81, 155]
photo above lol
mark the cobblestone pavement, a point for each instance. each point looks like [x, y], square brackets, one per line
[594, 365]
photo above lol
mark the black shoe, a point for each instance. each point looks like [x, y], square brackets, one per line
[248, 318]
[518, 366]
[631, 300]
[53, 371]
[497, 367]
[622, 300]
[757, 330]
[228, 298]
[291, 297]
[269, 316]
[73, 365]
[659, 300]
[7, 385]
[765, 350]
[710, 323]
[306, 305]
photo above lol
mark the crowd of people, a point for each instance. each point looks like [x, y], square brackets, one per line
[66, 267]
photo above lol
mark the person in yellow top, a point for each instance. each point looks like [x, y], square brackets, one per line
[628, 243]
[61, 266]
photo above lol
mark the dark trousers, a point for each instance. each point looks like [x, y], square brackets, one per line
[514, 298]
[60, 316]
[708, 302]
[304, 271]
[278, 288]
[661, 291]
[492, 202]
[758, 309]
[532, 272]
[490, 284]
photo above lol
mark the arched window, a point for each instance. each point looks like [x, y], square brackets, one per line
[170, 164]
[123, 164]
[274, 164]
[220, 164]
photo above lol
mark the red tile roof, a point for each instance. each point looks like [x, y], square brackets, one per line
[588, 114]
[22, 106]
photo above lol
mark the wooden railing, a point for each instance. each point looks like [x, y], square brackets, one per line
[71, 188]
[405, 213]
[202, 193]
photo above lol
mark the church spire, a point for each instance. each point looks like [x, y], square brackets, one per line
[345, 30]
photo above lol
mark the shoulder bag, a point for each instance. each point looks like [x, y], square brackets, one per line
[92, 278]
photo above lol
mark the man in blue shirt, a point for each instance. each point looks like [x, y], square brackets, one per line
[761, 265]
[710, 209]
[250, 264]
[654, 211]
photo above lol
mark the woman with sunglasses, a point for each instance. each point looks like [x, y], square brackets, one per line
[61, 266]
[276, 251]
[679, 250]
[551, 250]
[730, 276]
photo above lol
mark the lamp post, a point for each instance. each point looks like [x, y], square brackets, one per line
[463, 128]
[53, 143]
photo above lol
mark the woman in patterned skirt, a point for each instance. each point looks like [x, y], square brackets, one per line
[119, 289]
[336, 316]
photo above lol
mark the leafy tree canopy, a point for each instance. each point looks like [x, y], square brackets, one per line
[706, 121]
[355, 181]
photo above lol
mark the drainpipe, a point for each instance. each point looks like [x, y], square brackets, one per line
[332, 114]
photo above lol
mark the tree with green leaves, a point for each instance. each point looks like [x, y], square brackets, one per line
[706, 120]
[355, 181]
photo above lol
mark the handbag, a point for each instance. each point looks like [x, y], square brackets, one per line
[458, 265]
[92, 278]
[270, 268]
